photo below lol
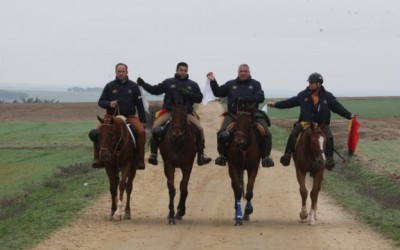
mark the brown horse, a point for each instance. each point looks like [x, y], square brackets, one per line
[178, 150]
[243, 154]
[117, 150]
[309, 157]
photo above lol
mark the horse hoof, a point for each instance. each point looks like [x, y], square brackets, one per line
[171, 222]
[127, 216]
[246, 217]
[303, 216]
[178, 217]
[239, 222]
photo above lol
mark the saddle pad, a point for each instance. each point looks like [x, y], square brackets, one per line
[132, 136]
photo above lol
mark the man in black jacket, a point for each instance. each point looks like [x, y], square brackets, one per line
[250, 91]
[122, 97]
[316, 105]
[178, 86]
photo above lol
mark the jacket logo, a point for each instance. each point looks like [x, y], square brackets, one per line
[173, 86]
[234, 87]
[251, 87]
[114, 91]
[130, 91]
[306, 99]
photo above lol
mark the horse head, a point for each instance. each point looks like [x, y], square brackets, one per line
[317, 143]
[109, 136]
[178, 123]
[242, 128]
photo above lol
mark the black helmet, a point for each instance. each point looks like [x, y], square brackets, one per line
[315, 77]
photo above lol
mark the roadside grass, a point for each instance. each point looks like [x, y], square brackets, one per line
[372, 198]
[45, 179]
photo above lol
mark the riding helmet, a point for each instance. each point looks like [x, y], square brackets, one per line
[315, 77]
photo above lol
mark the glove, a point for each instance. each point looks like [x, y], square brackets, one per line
[185, 91]
[140, 82]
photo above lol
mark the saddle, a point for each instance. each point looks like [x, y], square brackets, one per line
[304, 125]
[131, 129]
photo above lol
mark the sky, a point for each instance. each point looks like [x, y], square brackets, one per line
[58, 44]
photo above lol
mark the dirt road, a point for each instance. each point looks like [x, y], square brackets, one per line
[208, 221]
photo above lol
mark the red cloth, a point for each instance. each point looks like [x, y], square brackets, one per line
[352, 140]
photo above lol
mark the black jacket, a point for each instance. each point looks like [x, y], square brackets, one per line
[171, 88]
[320, 113]
[250, 89]
[128, 96]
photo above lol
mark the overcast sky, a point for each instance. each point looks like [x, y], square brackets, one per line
[57, 44]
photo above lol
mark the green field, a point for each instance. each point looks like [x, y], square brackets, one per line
[46, 180]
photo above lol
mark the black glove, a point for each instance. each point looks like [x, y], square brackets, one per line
[140, 82]
[185, 91]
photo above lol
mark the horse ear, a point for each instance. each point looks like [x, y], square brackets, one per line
[100, 120]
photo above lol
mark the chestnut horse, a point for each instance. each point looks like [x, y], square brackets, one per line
[178, 150]
[309, 157]
[243, 154]
[118, 152]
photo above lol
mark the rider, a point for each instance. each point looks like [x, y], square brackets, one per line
[122, 97]
[180, 85]
[248, 90]
[316, 105]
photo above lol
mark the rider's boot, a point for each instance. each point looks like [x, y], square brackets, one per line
[224, 139]
[96, 161]
[202, 158]
[266, 160]
[153, 152]
[285, 159]
[140, 154]
[330, 162]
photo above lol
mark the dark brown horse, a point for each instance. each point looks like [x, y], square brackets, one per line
[309, 157]
[118, 153]
[178, 150]
[243, 154]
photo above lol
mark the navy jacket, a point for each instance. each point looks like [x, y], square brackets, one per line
[320, 113]
[251, 89]
[171, 86]
[128, 96]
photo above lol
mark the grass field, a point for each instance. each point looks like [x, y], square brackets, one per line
[45, 177]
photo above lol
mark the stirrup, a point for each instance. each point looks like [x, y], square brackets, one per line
[221, 160]
[285, 159]
[267, 162]
[153, 159]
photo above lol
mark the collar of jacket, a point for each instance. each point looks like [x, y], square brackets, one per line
[247, 81]
[321, 90]
[176, 76]
[120, 82]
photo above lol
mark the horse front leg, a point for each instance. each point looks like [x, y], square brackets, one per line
[120, 204]
[181, 210]
[237, 190]
[113, 180]
[170, 174]
[249, 194]
[301, 178]
[129, 187]
[317, 181]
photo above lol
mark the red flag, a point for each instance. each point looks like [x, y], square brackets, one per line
[352, 140]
